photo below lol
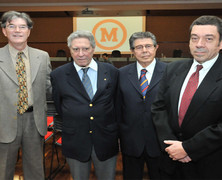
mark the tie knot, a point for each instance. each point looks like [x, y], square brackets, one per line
[199, 67]
[143, 71]
[20, 53]
[85, 70]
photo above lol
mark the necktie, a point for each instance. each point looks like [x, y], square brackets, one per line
[23, 92]
[87, 83]
[188, 93]
[143, 82]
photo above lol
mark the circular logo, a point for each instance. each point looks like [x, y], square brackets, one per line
[109, 34]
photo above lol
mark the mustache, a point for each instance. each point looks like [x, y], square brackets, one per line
[200, 50]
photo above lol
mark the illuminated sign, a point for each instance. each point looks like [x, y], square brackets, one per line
[111, 33]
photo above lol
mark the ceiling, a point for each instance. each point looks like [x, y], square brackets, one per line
[69, 8]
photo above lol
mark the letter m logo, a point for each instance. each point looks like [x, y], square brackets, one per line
[105, 34]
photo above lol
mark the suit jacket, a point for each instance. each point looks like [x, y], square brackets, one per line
[86, 123]
[134, 113]
[201, 130]
[40, 70]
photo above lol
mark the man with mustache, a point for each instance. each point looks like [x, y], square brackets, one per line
[187, 111]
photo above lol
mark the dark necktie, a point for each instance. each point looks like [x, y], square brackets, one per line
[87, 83]
[143, 82]
[188, 93]
[23, 91]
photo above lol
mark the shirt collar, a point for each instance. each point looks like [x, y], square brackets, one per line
[14, 51]
[149, 68]
[206, 65]
[92, 65]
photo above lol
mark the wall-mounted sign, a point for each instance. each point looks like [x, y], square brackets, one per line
[111, 33]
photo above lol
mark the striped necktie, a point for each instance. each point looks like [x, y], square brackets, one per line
[143, 82]
[87, 83]
[23, 91]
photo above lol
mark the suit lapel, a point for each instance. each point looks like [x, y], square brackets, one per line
[74, 80]
[176, 86]
[35, 62]
[133, 78]
[206, 88]
[157, 75]
[6, 64]
[102, 79]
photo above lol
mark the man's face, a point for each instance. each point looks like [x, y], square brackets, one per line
[81, 51]
[144, 51]
[17, 32]
[204, 42]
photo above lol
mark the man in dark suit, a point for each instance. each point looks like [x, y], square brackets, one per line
[138, 139]
[189, 123]
[23, 106]
[84, 92]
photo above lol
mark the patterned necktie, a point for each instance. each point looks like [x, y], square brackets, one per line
[188, 93]
[143, 82]
[87, 83]
[23, 92]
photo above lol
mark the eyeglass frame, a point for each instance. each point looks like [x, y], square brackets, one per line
[12, 27]
[141, 47]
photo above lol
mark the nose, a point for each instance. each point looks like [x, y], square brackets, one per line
[201, 42]
[81, 52]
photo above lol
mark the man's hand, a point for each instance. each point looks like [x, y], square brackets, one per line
[176, 151]
[185, 160]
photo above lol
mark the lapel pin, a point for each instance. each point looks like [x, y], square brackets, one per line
[104, 79]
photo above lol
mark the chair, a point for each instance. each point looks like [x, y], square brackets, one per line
[48, 136]
[57, 141]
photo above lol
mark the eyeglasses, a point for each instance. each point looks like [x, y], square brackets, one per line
[147, 47]
[84, 50]
[12, 27]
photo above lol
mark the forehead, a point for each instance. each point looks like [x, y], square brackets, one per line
[17, 21]
[143, 41]
[80, 41]
[204, 30]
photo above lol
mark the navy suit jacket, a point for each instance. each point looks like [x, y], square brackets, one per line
[201, 130]
[86, 122]
[134, 113]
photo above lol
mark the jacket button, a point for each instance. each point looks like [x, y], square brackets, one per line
[91, 118]
[90, 132]
[90, 105]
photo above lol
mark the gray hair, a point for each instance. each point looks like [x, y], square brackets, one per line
[209, 20]
[141, 35]
[10, 15]
[81, 34]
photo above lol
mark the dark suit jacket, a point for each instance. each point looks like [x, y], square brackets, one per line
[136, 127]
[80, 115]
[201, 130]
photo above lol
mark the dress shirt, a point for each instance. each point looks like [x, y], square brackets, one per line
[92, 73]
[202, 73]
[149, 69]
[25, 56]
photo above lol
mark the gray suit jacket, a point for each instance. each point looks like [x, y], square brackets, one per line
[40, 70]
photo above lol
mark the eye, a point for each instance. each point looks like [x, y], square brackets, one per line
[75, 49]
[209, 39]
[11, 26]
[85, 49]
[194, 39]
[22, 27]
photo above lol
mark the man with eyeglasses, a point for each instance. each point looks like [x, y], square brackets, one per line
[138, 85]
[24, 83]
[84, 93]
